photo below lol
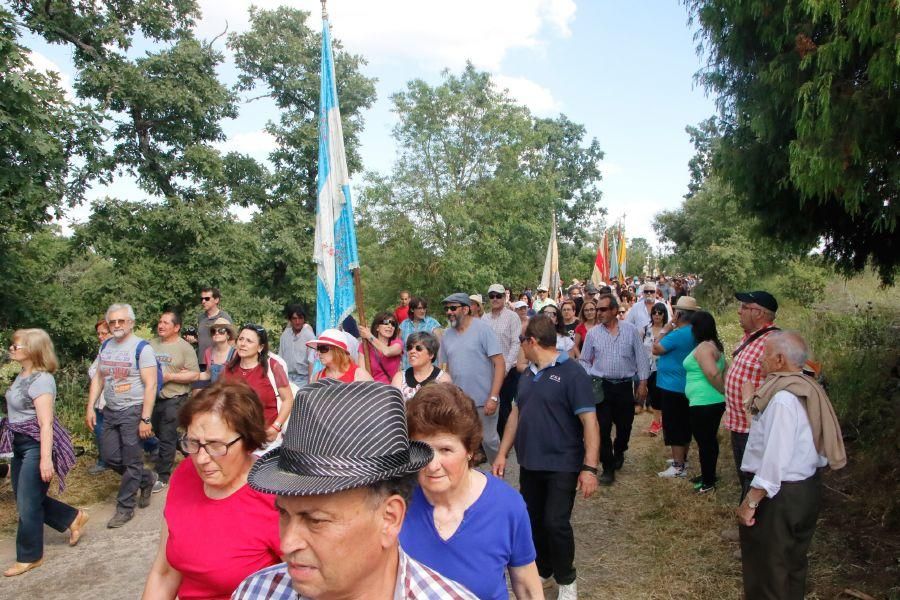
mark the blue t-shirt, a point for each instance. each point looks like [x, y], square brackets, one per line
[494, 534]
[550, 436]
[468, 358]
[670, 373]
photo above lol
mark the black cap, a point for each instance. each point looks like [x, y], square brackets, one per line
[764, 299]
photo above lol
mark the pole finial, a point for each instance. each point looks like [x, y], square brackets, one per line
[324, 9]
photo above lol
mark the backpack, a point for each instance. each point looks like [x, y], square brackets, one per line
[137, 362]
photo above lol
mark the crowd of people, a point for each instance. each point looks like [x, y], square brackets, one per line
[346, 464]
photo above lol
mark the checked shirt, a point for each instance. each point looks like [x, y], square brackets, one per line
[744, 367]
[414, 581]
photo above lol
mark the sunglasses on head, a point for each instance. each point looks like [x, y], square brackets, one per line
[495, 295]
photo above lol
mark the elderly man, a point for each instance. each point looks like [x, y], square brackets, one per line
[472, 355]
[793, 433]
[639, 314]
[507, 326]
[342, 493]
[613, 354]
[543, 299]
[126, 376]
[756, 314]
[179, 370]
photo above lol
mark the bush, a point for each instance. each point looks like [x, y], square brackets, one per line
[802, 280]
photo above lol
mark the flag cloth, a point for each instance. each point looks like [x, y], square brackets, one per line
[550, 277]
[614, 258]
[335, 252]
[600, 275]
[623, 268]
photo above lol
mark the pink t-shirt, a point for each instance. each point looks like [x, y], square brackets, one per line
[216, 544]
[384, 367]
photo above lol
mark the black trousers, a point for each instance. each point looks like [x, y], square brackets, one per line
[773, 551]
[616, 409]
[705, 429]
[507, 395]
[549, 497]
[738, 443]
[165, 426]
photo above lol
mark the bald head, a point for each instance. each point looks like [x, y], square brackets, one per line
[784, 351]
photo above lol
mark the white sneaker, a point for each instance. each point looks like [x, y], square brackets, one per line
[568, 592]
[671, 461]
[673, 472]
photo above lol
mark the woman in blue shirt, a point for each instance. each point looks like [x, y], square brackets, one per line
[464, 524]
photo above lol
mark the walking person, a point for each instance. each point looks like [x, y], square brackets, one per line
[587, 320]
[507, 326]
[659, 316]
[41, 447]
[103, 334]
[705, 389]
[613, 355]
[126, 376]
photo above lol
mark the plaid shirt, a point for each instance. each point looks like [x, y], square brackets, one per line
[414, 581]
[745, 367]
[507, 327]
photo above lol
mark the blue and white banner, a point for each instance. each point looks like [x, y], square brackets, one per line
[335, 252]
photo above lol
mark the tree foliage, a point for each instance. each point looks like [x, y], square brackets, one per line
[811, 120]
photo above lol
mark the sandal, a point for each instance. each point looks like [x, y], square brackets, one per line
[76, 529]
[18, 568]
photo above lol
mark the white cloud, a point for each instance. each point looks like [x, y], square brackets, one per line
[434, 34]
[525, 91]
[257, 144]
[45, 65]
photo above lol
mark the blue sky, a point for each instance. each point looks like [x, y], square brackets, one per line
[623, 69]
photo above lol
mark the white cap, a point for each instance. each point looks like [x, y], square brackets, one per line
[497, 288]
[519, 304]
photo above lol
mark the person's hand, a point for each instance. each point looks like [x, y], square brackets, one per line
[499, 467]
[587, 483]
[365, 332]
[642, 391]
[490, 407]
[90, 419]
[190, 339]
[46, 469]
[145, 430]
[746, 516]
[271, 434]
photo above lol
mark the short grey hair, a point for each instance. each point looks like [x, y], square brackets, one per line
[119, 306]
[431, 343]
[791, 345]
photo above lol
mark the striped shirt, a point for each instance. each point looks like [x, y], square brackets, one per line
[619, 356]
[414, 581]
[507, 326]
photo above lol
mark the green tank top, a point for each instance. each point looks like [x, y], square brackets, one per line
[699, 390]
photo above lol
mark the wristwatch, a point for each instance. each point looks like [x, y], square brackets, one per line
[145, 421]
[752, 504]
[494, 398]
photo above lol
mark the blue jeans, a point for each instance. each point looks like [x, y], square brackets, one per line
[34, 506]
[98, 431]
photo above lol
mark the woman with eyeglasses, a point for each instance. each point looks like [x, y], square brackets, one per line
[216, 529]
[587, 319]
[570, 322]
[331, 346]
[41, 448]
[385, 348]
[267, 377]
[563, 342]
[422, 348]
[417, 321]
[659, 317]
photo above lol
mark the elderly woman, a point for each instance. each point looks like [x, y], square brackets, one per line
[385, 348]
[462, 523]
[252, 364]
[421, 348]
[332, 350]
[418, 320]
[217, 530]
[40, 447]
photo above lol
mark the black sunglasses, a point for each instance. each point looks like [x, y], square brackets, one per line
[205, 298]
[388, 322]
[495, 295]
[221, 330]
[417, 348]
[452, 308]
[323, 349]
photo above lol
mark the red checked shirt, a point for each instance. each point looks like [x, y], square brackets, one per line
[745, 367]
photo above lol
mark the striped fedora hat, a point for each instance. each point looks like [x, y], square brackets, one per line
[340, 436]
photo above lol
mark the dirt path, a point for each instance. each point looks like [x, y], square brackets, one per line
[642, 538]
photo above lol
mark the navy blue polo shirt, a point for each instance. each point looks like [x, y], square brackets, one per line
[550, 436]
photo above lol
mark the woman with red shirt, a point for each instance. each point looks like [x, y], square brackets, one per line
[252, 365]
[217, 530]
[335, 358]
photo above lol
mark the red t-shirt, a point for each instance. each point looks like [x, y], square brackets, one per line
[261, 385]
[401, 313]
[216, 544]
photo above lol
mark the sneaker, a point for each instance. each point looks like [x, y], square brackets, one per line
[97, 468]
[673, 472]
[705, 489]
[607, 478]
[671, 461]
[146, 490]
[159, 486]
[568, 591]
[119, 519]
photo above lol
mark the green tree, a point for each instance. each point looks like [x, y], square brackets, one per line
[639, 254]
[810, 120]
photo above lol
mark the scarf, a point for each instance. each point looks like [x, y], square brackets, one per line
[63, 454]
[826, 430]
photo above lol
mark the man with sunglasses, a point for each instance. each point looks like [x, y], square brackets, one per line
[209, 301]
[472, 355]
[639, 314]
[507, 326]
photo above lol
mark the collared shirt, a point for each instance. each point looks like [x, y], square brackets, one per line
[639, 315]
[744, 367]
[293, 349]
[780, 446]
[617, 356]
[414, 581]
[507, 327]
[538, 304]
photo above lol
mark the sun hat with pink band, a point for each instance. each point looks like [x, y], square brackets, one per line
[330, 337]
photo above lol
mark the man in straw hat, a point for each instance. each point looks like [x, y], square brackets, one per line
[343, 479]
